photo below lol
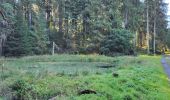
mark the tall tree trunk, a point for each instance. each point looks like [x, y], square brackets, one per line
[60, 17]
[1, 47]
[60, 33]
[48, 12]
[154, 37]
[84, 30]
[29, 18]
[66, 28]
[137, 38]
[147, 36]
[74, 36]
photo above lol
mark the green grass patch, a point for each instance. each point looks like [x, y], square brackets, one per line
[61, 77]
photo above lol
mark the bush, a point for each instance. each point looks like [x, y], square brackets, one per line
[23, 90]
[117, 42]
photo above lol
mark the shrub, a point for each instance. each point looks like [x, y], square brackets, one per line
[22, 90]
[85, 73]
[117, 42]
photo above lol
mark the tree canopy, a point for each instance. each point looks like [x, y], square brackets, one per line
[29, 27]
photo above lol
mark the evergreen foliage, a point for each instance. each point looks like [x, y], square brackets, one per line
[118, 41]
[82, 26]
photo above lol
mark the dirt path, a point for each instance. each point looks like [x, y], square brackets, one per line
[166, 66]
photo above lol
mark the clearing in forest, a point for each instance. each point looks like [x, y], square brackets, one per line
[82, 77]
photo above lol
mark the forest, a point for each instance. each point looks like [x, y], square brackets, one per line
[84, 50]
[110, 27]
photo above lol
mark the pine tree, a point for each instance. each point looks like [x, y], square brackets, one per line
[17, 43]
[39, 36]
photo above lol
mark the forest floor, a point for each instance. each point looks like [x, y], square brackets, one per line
[82, 77]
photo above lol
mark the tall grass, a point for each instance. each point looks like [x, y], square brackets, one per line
[63, 76]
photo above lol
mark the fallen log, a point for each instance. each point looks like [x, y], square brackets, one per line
[87, 92]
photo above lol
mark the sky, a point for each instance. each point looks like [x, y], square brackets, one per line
[168, 13]
[168, 1]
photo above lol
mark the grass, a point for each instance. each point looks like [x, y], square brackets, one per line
[63, 76]
[60, 63]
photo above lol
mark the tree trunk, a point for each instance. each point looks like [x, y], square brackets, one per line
[84, 29]
[29, 18]
[154, 40]
[48, 13]
[136, 39]
[60, 24]
[53, 48]
[1, 47]
[154, 37]
[60, 18]
[147, 36]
